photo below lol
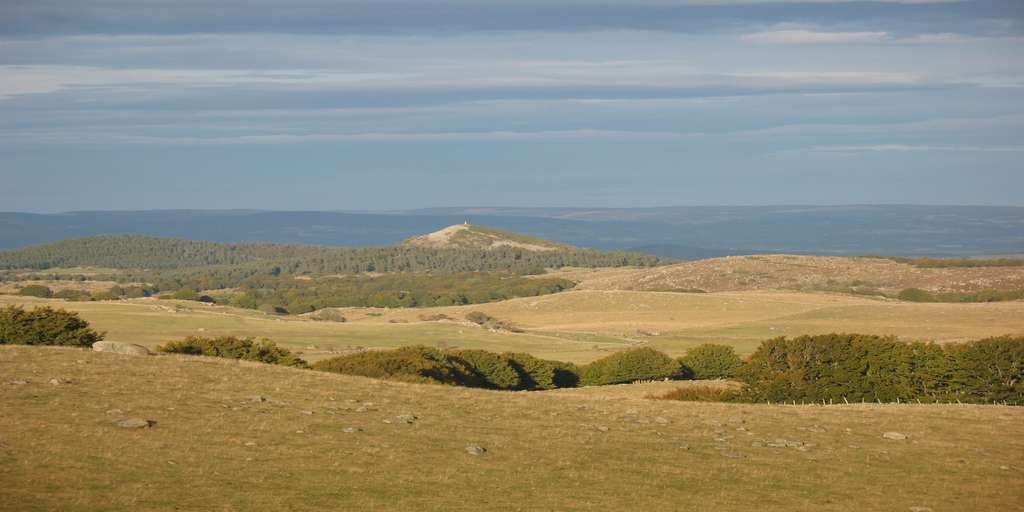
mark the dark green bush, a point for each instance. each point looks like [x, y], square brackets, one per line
[875, 368]
[493, 370]
[629, 366]
[711, 361]
[69, 294]
[36, 290]
[329, 315]
[989, 370]
[489, 322]
[536, 373]
[45, 326]
[231, 347]
[408, 364]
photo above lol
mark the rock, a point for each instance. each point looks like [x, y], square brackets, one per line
[351, 430]
[18, 382]
[404, 419]
[895, 436]
[920, 509]
[602, 429]
[134, 423]
[474, 449]
[258, 399]
[128, 349]
[661, 421]
[250, 443]
[307, 413]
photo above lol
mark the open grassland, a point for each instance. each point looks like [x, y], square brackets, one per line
[152, 322]
[215, 447]
[805, 273]
[577, 326]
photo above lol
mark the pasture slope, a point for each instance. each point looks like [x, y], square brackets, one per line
[239, 436]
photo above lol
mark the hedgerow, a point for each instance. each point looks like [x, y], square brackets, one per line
[628, 366]
[711, 361]
[231, 347]
[854, 367]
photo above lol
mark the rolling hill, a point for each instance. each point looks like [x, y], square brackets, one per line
[472, 236]
[227, 435]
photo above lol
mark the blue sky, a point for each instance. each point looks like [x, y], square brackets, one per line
[388, 104]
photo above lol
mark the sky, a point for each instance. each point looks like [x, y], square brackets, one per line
[396, 104]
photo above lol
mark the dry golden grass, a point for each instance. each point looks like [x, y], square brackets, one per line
[808, 273]
[213, 448]
[577, 326]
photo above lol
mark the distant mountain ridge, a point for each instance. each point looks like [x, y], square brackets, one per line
[679, 232]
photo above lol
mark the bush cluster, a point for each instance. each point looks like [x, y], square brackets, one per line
[711, 361]
[36, 290]
[232, 347]
[471, 368]
[489, 322]
[629, 366]
[857, 367]
[45, 326]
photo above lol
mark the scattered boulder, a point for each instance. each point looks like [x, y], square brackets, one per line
[18, 382]
[920, 509]
[351, 430]
[116, 347]
[895, 436]
[134, 423]
[404, 419]
[475, 449]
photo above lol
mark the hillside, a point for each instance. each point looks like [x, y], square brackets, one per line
[867, 276]
[245, 436]
[471, 236]
[504, 251]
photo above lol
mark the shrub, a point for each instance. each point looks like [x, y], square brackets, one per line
[629, 366]
[710, 361]
[915, 295]
[70, 294]
[45, 326]
[489, 322]
[536, 373]
[231, 347]
[492, 370]
[329, 315]
[989, 370]
[409, 364]
[36, 290]
[434, 318]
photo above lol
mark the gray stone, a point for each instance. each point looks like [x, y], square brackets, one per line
[474, 449]
[351, 430]
[18, 382]
[403, 419]
[116, 347]
[895, 436]
[134, 423]
[920, 509]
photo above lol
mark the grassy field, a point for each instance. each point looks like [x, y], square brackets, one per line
[577, 326]
[213, 447]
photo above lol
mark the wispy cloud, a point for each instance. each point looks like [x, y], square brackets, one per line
[917, 148]
[813, 37]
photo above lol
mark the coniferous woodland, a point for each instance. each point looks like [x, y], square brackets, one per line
[279, 278]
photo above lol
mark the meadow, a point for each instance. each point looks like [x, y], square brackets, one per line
[231, 435]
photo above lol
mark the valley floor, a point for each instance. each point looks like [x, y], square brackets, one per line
[245, 436]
